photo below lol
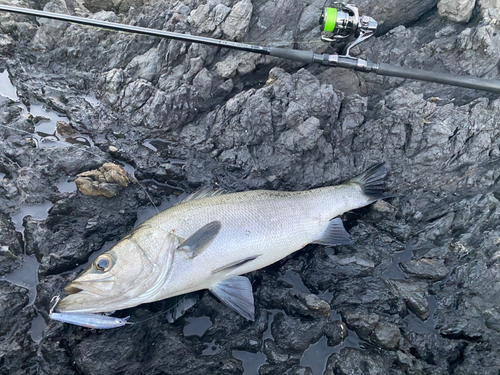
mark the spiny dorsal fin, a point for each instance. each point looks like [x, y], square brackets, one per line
[203, 193]
[236, 293]
[200, 239]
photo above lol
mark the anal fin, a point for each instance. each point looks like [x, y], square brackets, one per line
[334, 234]
[236, 293]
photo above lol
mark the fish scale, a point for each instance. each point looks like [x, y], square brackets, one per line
[211, 239]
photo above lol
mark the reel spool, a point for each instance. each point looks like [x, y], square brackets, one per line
[343, 21]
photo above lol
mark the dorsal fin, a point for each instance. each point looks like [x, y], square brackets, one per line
[203, 193]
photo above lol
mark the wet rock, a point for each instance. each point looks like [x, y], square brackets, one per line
[73, 225]
[387, 335]
[415, 294]
[336, 332]
[12, 301]
[356, 361]
[105, 181]
[213, 121]
[279, 358]
[300, 370]
[363, 324]
[11, 245]
[294, 335]
[429, 269]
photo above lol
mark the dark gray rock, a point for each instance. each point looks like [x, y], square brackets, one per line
[335, 332]
[417, 285]
[11, 245]
[294, 335]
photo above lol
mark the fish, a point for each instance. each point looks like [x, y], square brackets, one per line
[89, 320]
[212, 238]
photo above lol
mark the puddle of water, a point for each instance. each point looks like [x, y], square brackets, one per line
[270, 317]
[197, 326]
[251, 361]
[180, 162]
[393, 271]
[92, 100]
[66, 185]
[293, 277]
[25, 276]
[212, 348]
[351, 341]
[8, 88]
[423, 327]
[38, 211]
[316, 356]
[147, 143]
[37, 326]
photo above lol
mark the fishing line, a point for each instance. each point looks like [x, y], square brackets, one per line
[182, 299]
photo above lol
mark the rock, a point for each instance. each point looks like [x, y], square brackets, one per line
[417, 284]
[456, 11]
[426, 269]
[11, 246]
[387, 335]
[415, 294]
[106, 181]
[356, 361]
[294, 335]
[236, 24]
[336, 332]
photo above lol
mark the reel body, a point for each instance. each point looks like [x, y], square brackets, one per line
[343, 21]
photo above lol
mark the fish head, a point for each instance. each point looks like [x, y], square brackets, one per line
[113, 281]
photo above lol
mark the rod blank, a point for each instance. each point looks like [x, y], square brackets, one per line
[289, 54]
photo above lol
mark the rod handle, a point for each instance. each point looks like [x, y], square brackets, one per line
[292, 54]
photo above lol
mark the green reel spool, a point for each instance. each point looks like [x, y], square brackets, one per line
[342, 21]
[329, 20]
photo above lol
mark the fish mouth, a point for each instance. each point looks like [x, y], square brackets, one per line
[84, 296]
[78, 286]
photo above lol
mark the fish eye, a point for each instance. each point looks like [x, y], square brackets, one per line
[103, 262]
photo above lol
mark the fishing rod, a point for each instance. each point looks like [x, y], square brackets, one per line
[342, 21]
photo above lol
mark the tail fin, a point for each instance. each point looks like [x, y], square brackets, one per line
[372, 181]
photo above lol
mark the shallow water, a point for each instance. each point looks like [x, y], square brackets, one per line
[197, 326]
[7, 88]
[66, 184]
[293, 277]
[251, 361]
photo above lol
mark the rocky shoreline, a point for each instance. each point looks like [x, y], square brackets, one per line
[417, 293]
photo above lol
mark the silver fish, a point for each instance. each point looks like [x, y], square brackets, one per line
[211, 238]
[88, 320]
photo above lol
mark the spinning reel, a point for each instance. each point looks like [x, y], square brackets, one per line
[343, 21]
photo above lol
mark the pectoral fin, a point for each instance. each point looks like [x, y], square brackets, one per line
[236, 293]
[199, 241]
[334, 234]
